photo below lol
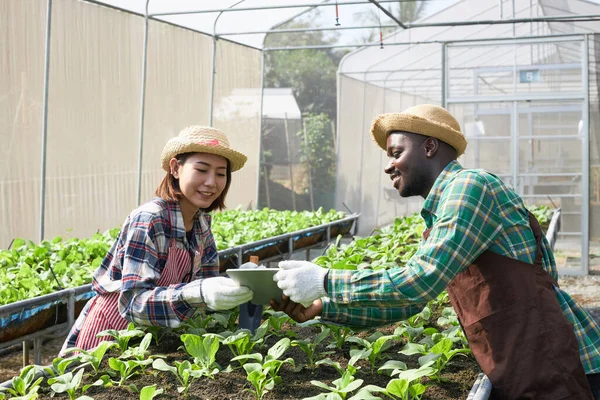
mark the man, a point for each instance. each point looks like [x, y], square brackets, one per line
[482, 245]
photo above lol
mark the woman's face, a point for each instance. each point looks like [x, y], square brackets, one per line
[202, 178]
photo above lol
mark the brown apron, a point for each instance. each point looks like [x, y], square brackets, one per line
[516, 329]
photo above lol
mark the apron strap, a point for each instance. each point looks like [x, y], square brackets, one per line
[539, 235]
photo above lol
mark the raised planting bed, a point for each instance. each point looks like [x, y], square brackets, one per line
[428, 351]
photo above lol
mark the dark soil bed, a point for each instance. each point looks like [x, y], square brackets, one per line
[458, 377]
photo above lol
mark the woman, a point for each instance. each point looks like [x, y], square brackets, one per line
[164, 264]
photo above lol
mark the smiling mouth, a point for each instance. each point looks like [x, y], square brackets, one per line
[207, 194]
[395, 180]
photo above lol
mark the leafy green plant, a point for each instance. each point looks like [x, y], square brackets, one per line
[123, 336]
[374, 345]
[271, 361]
[67, 383]
[184, 372]
[127, 368]
[340, 389]
[338, 334]
[309, 347]
[91, 357]
[240, 343]
[228, 320]
[59, 365]
[204, 350]
[260, 379]
[405, 387]
[439, 355]
[277, 319]
[139, 352]
[25, 384]
[149, 392]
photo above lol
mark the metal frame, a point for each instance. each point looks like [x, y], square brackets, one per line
[516, 100]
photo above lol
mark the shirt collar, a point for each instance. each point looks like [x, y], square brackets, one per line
[433, 198]
[177, 225]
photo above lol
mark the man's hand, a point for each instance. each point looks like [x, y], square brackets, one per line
[302, 281]
[297, 311]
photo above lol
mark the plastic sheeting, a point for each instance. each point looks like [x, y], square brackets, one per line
[94, 111]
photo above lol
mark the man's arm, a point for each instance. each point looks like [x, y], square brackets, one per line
[467, 224]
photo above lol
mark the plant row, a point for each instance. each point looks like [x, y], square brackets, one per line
[392, 245]
[29, 270]
[427, 345]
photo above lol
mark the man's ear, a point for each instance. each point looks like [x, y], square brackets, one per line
[431, 146]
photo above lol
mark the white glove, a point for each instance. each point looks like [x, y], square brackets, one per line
[251, 265]
[301, 281]
[218, 293]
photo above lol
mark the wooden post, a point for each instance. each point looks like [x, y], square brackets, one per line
[308, 169]
[287, 142]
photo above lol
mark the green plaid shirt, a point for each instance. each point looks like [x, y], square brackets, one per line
[485, 214]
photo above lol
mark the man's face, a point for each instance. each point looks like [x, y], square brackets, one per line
[407, 167]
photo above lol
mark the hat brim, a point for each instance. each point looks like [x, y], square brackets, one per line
[384, 124]
[236, 159]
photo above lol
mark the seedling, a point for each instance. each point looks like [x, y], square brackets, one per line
[310, 347]
[271, 363]
[240, 343]
[149, 392]
[25, 384]
[341, 387]
[183, 371]
[128, 368]
[439, 355]
[138, 352]
[376, 343]
[260, 379]
[405, 387]
[68, 383]
[204, 350]
[123, 336]
[91, 357]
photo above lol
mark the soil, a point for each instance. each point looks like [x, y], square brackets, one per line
[457, 378]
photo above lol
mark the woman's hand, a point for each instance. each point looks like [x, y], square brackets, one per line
[218, 293]
[297, 311]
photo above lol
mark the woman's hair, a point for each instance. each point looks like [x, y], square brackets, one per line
[169, 187]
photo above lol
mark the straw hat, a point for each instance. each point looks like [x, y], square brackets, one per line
[424, 119]
[201, 139]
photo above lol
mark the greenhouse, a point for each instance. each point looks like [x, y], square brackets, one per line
[91, 90]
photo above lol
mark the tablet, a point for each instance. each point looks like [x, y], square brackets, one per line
[260, 281]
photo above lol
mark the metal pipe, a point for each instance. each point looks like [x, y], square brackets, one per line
[457, 42]
[42, 300]
[260, 134]
[142, 105]
[214, 66]
[45, 120]
[285, 236]
[585, 151]
[389, 14]
[551, 18]
[276, 7]
[444, 84]
[299, 30]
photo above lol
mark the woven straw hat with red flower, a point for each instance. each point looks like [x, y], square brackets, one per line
[201, 139]
[424, 119]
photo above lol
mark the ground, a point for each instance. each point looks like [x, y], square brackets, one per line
[585, 289]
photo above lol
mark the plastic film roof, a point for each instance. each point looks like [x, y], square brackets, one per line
[228, 24]
[416, 53]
